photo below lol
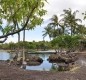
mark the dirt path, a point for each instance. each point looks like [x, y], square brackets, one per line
[10, 72]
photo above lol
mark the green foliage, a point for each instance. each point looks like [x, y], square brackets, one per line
[71, 41]
[54, 28]
[7, 29]
[12, 45]
[25, 13]
[48, 31]
[41, 45]
[66, 32]
[66, 41]
[58, 42]
[70, 20]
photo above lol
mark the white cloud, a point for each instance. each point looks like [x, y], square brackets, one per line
[57, 6]
[79, 2]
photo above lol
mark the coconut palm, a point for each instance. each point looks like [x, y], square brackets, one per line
[48, 31]
[84, 27]
[57, 26]
[54, 28]
[70, 20]
[54, 21]
[31, 25]
[81, 30]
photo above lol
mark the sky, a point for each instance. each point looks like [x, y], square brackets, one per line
[52, 7]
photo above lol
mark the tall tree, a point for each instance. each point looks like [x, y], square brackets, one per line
[19, 14]
[54, 22]
[15, 11]
[56, 26]
[47, 31]
[70, 20]
[31, 25]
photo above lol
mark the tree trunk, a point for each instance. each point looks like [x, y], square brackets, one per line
[18, 43]
[18, 38]
[71, 31]
[23, 46]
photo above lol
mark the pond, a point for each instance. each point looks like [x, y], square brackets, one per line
[45, 66]
[5, 55]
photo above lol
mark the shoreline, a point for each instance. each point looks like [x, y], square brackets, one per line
[11, 72]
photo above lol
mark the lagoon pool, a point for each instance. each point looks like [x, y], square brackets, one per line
[45, 66]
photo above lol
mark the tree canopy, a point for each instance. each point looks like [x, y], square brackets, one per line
[19, 14]
[66, 32]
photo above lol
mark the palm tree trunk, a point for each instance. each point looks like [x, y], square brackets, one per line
[71, 31]
[50, 37]
[18, 42]
[18, 38]
[63, 29]
[23, 46]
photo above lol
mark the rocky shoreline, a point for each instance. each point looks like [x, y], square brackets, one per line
[12, 72]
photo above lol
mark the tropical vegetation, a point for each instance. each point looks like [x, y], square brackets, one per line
[67, 33]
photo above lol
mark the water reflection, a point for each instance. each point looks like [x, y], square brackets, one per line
[54, 67]
[4, 55]
[45, 66]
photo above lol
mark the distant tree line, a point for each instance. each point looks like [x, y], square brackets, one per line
[41, 45]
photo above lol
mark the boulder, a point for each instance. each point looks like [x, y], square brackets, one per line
[34, 60]
[60, 58]
[31, 63]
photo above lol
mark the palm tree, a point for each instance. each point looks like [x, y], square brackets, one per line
[31, 25]
[48, 31]
[84, 27]
[57, 27]
[81, 30]
[54, 22]
[54, 28]
[70, 20]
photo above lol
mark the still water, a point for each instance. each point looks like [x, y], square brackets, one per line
[4, 55]
[45, 66]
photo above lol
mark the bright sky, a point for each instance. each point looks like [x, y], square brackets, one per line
[52, 7]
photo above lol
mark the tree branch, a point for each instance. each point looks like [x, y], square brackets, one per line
[3, 40]
[17, 31]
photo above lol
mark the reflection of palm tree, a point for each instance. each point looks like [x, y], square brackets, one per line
[42, 56]
[53, 67]
[70, 20]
